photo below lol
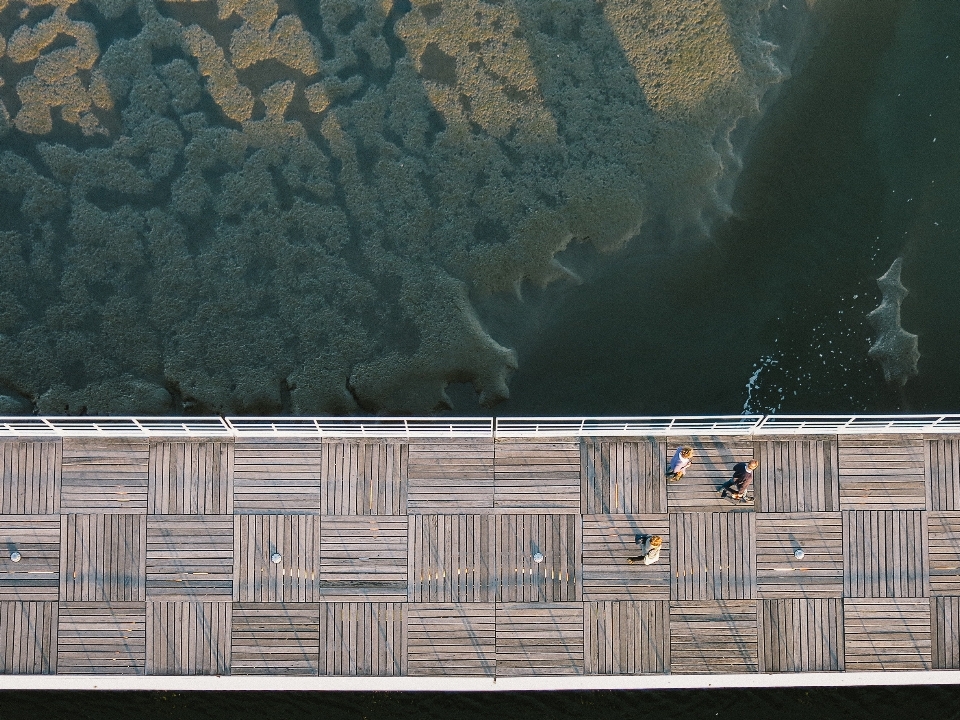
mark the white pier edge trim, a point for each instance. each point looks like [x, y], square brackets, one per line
[475, 684]
[475, 427]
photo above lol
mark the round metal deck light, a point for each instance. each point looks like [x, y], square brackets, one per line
[538, 557]
[798, 554]
[15, 556]
[276, 558]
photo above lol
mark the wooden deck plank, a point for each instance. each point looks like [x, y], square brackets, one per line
[608, 542]
[296, 578]
[945, 619]
[363, 558]
[556, 578]
[29, 632]
[102, 475]
[781, 574]
[887, 634]
[188, 638]
[801, 635]
[37, 575]
[943, 473]
[714, 556]
[712, 466]
[451, 558]
[797, 475]
[944, 552]
[31, 477]
[539, 639]
[882, 473]
[713, 636]
[363, 639]
[189, 557]
[102, 557]
[450, 477]
[364, 478]
[278, 476]
[102, 638]
[885, 554]
[275, 639]
[622, 477]
[451, 639]
[626, 637]
[189, 478]
[537, 475]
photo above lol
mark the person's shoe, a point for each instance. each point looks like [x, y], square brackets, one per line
[639, 538]
[723, 493]
[631, 561]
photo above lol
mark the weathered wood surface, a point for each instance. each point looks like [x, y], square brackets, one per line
[477, 557]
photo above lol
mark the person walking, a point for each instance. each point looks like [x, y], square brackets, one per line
[742, 477]
[679, 463]
[649, 548]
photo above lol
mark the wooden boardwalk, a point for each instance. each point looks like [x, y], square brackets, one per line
[477, 557]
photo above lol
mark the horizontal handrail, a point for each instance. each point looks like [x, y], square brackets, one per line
[476, 427]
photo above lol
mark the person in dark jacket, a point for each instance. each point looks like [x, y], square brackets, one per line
[742, 477]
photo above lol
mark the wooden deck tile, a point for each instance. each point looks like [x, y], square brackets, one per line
[945, 619]
[540, 639]
[713, 556]
[296, 578]
[626, 637]
[452, 558]
[886, 634]
[801, 635]
[450, 477]
[189, 557]
[943, 473]
[277, 476]
[712, 466]
[557, 578]
[797, 475]
[37, 575]
[364, 478]
[818, 574]
[103, 475]
[188, 638]
[608, 541]
[363, 558]
[103, 557]
[101, 638]
[715, 636]
[191, 478]
[451, 639]
[944, 552]
[882, 473]
[885, 553]
[622, 477]
[363, 639]
[536, 476]
[275, 639]
[30, 480]
[29, 634]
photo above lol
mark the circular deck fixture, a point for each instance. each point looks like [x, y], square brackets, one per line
[276, 558]
[798, 554]
[538, 557]
[16, 556]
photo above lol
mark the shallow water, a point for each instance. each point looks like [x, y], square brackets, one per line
[842, 176]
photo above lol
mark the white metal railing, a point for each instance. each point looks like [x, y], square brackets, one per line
[862, 424]
[84, 426]
[572, 427]
[412, 427]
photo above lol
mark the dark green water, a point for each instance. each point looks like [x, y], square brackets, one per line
[877, 703]
[855, 164]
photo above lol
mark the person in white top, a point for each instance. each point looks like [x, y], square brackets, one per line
[650, 549]
[679, 463]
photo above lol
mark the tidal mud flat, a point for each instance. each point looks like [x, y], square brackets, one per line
[263, 206]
